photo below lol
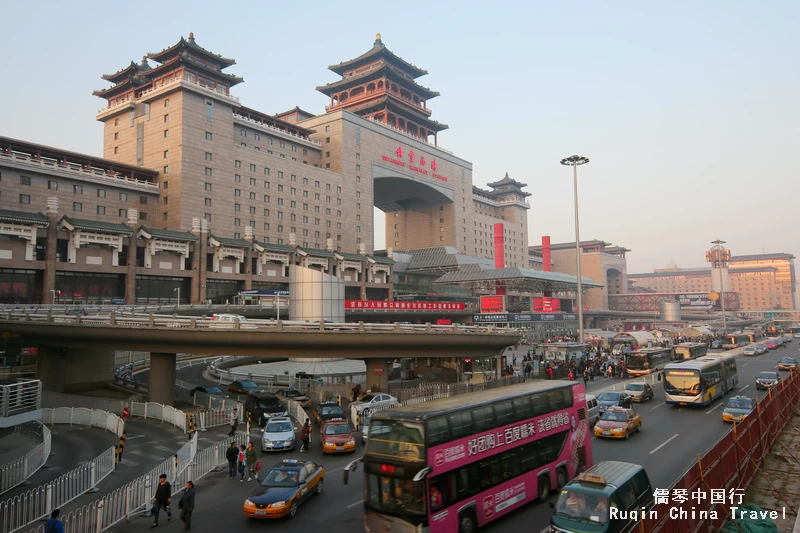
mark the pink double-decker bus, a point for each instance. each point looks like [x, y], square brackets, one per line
[455, 464]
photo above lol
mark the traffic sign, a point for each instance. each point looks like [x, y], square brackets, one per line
[378, 371]
[125, 412]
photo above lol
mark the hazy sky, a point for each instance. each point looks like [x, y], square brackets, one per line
[688, 110]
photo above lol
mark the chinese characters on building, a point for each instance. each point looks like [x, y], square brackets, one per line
[416, 163]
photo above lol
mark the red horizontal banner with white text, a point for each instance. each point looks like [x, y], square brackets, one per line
[406, 306]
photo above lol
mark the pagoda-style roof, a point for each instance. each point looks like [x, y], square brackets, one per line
[398, 107]
[507, 182]
[20, 217]
[296, 109]
[172, 62]
[386, 69]
[96, 226]
[165, 234]
[189, 45]
[273, 247]
[350, 257]
[380, 260]
[378, 51]
[131, 70]
[314, 252]
[233, 243]
[129, 83]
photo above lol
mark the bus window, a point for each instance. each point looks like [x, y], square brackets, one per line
[460, 424]
[522, 409]
[437, 431]
[491, 472]
[504, 413]
[511, 465]
[540, 406]
[555, 400]
[484, 418]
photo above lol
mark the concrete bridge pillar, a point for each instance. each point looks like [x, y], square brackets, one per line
[378, 372]
[51, 368]
[74, 369]
[162, 378]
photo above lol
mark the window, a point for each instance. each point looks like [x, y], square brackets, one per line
[237, 207]
[237, 192]
[280, 201]
[258, 137]
[294, 204]
[237, 178]
[266, 171]
[25, 180]
[208, 186]
[266, 212]
[252, 196]
[25, 198]
[358, 229]
[77, 206]
[208, 135]
[237, 222]
[280, 228]
[358, 156]
[77, 189]
[208, 202]
[327, 140]
[209, 155]
[252, 211]
[52, 185]
[142, 216]
[253, 182]
[237, 164]
[116, 149]
[460, 424]
[283, 144]
[209, 115]
[252, 168]
[166, 200]
[327, 154]
[166, 102]
[101, 193]
[143, 200]
[243, 132]
[266, 198]
[483, 418]
[166, 118]
[207, 217]
[294, 149]
[166, 133]
[101, 210]
[280, 188]
[123, 213]
[165, 185]
[123, 196]
[116, 122]
[166, 169]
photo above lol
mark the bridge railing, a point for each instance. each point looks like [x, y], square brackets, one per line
[17, 471]
[21, 397]
[152, 320]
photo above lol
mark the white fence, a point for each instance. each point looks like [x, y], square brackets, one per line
[165, 413]
[296, 411]
[137, 496]
[82, 416]
[20, 397]
[215, 417]
[214, 402]
[18, 470]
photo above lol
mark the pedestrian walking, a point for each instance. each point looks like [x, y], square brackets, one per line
[514, 360]
[53, 524]
[232, 455]
[251, 458]
[241, 458]
[162, 499]
[234, 422]
[186, 505]
[356, 391]
[305, 436]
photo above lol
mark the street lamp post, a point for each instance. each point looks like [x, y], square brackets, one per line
[54, 296]
[720, 263]
[179, 294]
[573, 161]
[278, 306]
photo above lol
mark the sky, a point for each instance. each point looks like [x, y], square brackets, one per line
[688, 110]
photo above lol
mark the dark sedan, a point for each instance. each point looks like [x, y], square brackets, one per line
[295, 394]
[767, 380]
[614, 399]
[327, 411]
[290, 483]
[243, 387]
[213, 391]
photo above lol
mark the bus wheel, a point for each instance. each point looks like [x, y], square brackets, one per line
[466, 522]
[561, 477]
[544, 488]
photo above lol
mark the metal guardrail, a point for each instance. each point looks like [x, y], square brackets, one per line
[137, 496]
[151, 320]
[16, 472]
[21, 397]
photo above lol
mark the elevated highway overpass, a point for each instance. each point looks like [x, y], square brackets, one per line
[75, 350]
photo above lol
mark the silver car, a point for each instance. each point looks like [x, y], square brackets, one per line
[278, 435]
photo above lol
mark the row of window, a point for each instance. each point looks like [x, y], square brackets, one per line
[77, 189]
[469, 421]
[465, 482]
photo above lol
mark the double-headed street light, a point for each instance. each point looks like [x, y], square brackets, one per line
[574, 161]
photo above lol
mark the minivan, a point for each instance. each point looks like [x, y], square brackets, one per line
[585, 503]
[262, 406]
[593, 409]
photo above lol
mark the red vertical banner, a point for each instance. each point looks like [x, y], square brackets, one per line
[499, 254]
[546, 261]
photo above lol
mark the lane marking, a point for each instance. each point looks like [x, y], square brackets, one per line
[744, 365]
[659, 405]
[740, 390]
[675, 436]
[709, 411]
[359, 502]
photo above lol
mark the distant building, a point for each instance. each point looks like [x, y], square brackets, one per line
[600, 261]
[764, 281]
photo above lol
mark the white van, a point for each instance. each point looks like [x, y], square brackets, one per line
[593, 408]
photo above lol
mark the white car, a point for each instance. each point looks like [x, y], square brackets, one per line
[797, 335]
[278, 435]
[228, 321]
[375, 399]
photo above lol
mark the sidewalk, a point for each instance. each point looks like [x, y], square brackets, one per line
[15, 444]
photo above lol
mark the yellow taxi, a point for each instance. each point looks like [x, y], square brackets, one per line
[337, 437]
[287, 485]
[738, 408]
[787, 363]
[618, 423]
